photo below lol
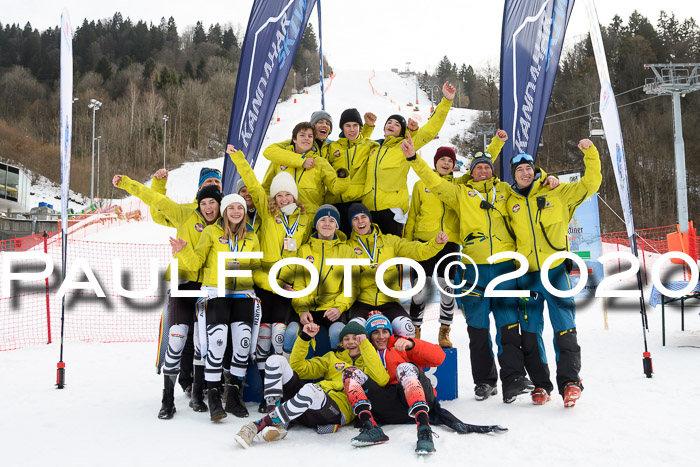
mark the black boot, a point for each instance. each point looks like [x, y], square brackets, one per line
[167, 408]
[197, 400]
[262, 408]
[234, 401]
[216, 410]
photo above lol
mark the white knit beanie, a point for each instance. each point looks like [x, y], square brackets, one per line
[230, 199]
[283, 181]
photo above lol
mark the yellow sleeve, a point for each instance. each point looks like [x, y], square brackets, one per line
[333, 184]
[257, 192]
[419, 251]
[367, 130]
[194, 259]
[373, 366]
[576, 193]
[413, 211]
[173, 211]
[494, 148]
[313, 368]
[279, 153]
[446, 191]
[158, 185]
[429, 131]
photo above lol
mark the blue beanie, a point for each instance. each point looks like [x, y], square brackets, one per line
[327, 210]
[377, 321]
[206, 173]
[357, 208]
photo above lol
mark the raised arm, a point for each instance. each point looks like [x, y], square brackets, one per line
[257, 192]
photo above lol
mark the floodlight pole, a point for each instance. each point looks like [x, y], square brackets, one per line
[676, 79]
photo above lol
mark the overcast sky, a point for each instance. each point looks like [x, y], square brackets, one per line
[359, 34]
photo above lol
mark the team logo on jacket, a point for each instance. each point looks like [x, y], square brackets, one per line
[337, 153]
[471, 193]
[340, 366]
[278, 219]
[516, 208]
[358, 251]
[198, 227]
[283, 167]
[427, 191]
[223, 240]
[310, 259]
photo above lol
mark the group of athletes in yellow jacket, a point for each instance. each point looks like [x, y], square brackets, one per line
[348, 199]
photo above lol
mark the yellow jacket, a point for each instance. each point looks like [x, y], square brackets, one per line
[272, 230]
[329, 291]
[482, 232]
[189, 222]
[330, 367]
[428, 216]
[385, 247]
[205, 254]
[386, 179]
[312, 184]
[158, 185]
[350, 156]
[557, 206]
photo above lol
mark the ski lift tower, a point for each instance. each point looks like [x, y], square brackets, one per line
[676, 79]
[485, 129]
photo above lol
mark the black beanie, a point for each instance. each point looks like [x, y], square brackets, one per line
[357, 208]
[350, 115]
[210, 191]
[399, 119]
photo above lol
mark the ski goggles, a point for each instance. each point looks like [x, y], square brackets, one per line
[206, 173]
[522, 157]
[479, 155]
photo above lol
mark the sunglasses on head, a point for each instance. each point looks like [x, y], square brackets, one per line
[207, 169]
[522, 157]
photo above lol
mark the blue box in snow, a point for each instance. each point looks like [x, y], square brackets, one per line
[443, 379]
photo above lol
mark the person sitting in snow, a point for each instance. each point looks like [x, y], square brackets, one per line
[316, 405]
[408, 397]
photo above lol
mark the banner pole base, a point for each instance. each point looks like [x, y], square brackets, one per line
[648, 367]
[60, 375]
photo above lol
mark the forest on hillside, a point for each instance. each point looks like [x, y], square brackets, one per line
[646, 119]
[141, 71]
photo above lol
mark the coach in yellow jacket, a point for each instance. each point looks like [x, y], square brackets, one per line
[540, 219]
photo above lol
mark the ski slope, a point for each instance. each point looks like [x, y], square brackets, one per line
[106, 415]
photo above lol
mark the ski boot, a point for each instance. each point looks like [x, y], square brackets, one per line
[540, 396]
[572, 393]
[483, 391]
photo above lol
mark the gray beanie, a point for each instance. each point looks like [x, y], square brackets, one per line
[239, 186]
[321, 115]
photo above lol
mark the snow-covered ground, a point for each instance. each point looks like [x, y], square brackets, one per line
[107, 413]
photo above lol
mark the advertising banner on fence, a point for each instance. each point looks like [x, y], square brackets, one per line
[584, 240]
[271, 41]
[531, 43]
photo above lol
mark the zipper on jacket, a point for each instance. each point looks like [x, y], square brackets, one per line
[532, 227]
